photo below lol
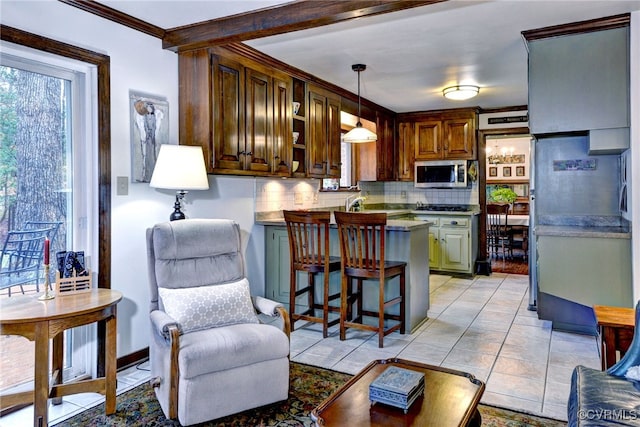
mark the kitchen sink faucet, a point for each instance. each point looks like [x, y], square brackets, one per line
[351, 201]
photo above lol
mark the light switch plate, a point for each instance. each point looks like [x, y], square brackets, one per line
[122, 188]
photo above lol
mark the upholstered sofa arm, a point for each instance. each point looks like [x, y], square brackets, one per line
[162, 324]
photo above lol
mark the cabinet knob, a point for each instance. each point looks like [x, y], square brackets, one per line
[241, 153]
[249, 153]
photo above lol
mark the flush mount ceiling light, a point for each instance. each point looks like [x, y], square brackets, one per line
[359, 134]
[460, 92]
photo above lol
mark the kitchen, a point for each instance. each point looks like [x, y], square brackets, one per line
[230, 195]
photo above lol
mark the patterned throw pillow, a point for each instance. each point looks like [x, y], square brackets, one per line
[209, 306]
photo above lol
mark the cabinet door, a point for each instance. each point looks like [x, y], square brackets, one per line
[406, 151]
[459, 135]
[454, 249]
[434, 248]
[385, 153]
[317, 126]
[428, 142]
[277, 264]
[259, 122]
[228, 114]
[333, 154]
[282, 133]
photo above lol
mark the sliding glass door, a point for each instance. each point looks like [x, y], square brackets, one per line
[46, 180]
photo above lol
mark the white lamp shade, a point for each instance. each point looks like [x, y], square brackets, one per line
[180, 167]
[460, 92]
[359, 135]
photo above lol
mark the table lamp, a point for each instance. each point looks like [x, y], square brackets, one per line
[179, 167]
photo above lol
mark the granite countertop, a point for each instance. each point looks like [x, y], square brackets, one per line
[608, 232]
[393, 224]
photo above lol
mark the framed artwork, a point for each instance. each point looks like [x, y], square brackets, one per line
[519, 170]
[149, 121]
[493, 171]
[506, 171]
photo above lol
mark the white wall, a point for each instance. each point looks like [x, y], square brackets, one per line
[138, 62]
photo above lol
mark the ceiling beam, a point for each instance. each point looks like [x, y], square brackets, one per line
[294, 16]
[114, 15]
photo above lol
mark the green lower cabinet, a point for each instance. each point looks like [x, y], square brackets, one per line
[452, 242]
[277, 264]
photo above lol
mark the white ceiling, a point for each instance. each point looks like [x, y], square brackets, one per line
[410, 55]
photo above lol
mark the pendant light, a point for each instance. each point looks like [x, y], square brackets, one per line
[359, 134]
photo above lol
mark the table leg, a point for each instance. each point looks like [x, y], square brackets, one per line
[41, 375]
[110, 364]
[58, 358]
[609, 354]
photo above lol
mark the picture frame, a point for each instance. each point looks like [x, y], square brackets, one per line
[520, 171]
[149, 122]
[493, 171]
[506, 171]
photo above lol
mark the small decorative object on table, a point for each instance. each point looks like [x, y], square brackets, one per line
[47, 283]
[72, 277]
[397, 387]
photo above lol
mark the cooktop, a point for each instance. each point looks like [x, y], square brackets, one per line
[444, 208]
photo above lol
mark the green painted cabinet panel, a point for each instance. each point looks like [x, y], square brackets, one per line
[454, 249]
[586, 270]
[277, 264]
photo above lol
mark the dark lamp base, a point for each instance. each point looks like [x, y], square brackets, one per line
[177, 213]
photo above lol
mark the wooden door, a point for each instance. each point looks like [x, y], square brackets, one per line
[428, 142]
[257, 154]
[460, 138]
[317, 141]
[406, 152]
[228, 114]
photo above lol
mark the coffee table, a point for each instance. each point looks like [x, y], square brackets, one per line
[450, 399]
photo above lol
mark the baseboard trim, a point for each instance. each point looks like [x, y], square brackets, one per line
[133, 359]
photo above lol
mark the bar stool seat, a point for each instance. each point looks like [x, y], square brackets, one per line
[362, 252]
[308, 233]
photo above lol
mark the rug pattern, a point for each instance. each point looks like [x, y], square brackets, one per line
[309, 387]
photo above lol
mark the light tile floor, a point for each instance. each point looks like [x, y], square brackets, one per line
[479, 325]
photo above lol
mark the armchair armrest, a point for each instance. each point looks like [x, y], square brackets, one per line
[274, 309]
[162, 323]
[266, 306]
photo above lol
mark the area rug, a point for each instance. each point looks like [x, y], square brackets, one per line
[309, 387]
[516, 266]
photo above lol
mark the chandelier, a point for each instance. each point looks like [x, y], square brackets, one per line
[501, 155]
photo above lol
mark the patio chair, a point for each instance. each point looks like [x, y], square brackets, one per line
[21, 258]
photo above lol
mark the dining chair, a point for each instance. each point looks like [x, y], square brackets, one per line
[362, 252]
[309, 246]
[498, 232]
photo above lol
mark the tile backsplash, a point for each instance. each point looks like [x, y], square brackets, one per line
[274, 194]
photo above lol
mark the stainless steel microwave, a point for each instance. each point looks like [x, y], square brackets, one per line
[441, 174]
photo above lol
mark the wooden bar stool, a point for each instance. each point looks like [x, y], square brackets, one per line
[309, 248]
[362, 254]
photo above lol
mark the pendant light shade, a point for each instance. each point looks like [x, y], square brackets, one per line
[359, 134]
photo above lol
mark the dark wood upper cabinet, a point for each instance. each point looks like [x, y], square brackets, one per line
[385, 148]
[406, 153]
[228, 115]
[446, 134]
[323, 148]
[239, 112]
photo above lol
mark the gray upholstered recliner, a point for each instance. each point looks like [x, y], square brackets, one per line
[210, 355]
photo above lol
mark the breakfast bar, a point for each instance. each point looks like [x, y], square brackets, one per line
[406, 240]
